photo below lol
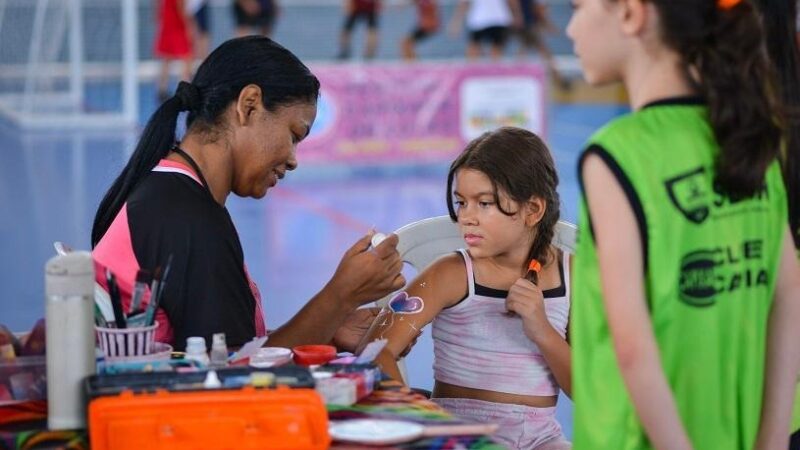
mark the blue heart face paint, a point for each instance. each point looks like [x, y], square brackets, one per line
[401, 303]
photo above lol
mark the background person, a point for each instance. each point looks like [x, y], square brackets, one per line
[255, 16]
[427, 25]
[367, 11]
[488, 22]
[173, 42]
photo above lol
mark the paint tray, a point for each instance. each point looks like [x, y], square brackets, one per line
[143, 382]
[156, 418]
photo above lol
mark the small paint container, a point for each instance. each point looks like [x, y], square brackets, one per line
[362, 381]
[271, 357]
[337, 391]
[309, 355]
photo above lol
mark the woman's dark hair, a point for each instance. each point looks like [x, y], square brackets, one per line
[779, 26]
[725, 59]
[518, 163]
[283, 80]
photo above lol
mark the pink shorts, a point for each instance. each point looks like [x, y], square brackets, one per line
[521, 427]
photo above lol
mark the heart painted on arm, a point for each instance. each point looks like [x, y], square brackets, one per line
[401, 303]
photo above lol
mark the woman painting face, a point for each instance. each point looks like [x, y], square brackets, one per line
[267, 150]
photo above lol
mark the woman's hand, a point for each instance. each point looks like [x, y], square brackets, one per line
[354, 328]
[526, 300]
[352, 331]
[365, 274]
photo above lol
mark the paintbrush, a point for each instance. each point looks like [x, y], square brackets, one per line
[116, 301]
[143, 278]
[157, 291]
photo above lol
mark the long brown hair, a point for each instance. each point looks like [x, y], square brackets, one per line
[725, 48]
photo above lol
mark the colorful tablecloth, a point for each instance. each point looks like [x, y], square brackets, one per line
[23, 426]
[396, 402]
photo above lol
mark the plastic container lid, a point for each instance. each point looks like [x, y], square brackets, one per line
[308, 355]
[195, 344]
[71, 274]
[218, 340]
[271, 356]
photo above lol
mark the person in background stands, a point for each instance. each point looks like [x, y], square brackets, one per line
[427, 24]
[173, 42]
[201, 28]
[367, 11]
[535, 23]
[255, 16]
[488, 22]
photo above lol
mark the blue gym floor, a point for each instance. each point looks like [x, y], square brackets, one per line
[51, 183]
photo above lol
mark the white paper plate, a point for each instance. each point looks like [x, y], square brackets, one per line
[374, 431]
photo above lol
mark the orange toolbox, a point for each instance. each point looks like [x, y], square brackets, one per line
[244, 418]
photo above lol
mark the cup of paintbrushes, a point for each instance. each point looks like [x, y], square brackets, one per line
[125, 342]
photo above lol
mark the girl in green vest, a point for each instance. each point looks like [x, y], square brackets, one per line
[687, 287]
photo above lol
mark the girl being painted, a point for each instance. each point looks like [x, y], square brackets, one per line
[499, 329]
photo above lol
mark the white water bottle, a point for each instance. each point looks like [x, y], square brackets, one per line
[69, 289]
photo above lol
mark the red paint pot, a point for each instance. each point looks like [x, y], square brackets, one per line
[308, 355]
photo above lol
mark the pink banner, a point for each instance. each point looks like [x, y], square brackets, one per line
[390, 113]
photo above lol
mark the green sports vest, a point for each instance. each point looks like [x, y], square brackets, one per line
[711, 265]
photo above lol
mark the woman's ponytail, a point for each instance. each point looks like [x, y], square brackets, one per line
[154, 144]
